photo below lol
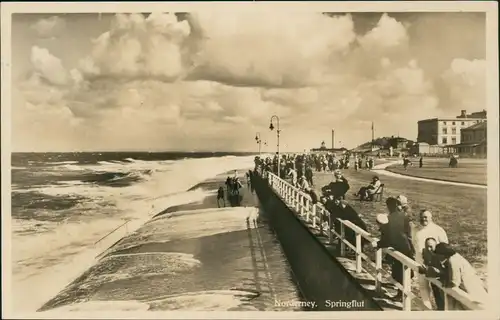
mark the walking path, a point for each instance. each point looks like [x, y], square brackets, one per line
[381, 169]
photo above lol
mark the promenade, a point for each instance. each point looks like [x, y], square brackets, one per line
[449, 202]
[195, 257]
[364, 264]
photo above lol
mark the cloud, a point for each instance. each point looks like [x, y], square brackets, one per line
[48, 66]
[207, 81]
[138, 47]
[466, 83]
[49, 27]
[269, 50]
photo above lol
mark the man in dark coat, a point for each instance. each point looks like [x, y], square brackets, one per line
[397, 234]
[346, 212]
[337, 188]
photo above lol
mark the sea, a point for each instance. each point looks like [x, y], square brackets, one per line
[63, 204]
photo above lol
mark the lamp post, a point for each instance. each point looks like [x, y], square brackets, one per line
[271, 127]
[259, 140]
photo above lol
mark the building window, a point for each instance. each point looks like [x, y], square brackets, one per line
[453, 123]
[453, 130]
[463, 123]
[445, 131]
[445, 141]
[454, 140]
[444, 122]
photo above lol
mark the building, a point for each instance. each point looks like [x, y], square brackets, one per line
[398, 142]
[473, 140]
[446, 131]
[324, 149]
[480, 114]
[424, 148]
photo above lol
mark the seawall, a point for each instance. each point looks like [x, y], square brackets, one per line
[321, 278]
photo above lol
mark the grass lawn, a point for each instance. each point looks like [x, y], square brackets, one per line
[461, 211]
[468, 171]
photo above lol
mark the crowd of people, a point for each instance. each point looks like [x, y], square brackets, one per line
[427, 243]
[306, 164]
[233, 186]
[421, 240]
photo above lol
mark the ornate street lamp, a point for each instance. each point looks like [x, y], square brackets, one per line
[258, 140]
[271, 127]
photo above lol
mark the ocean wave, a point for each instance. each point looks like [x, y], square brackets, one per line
[62, 162]
[55, 237]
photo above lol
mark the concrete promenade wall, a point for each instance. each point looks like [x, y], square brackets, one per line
[321, 278]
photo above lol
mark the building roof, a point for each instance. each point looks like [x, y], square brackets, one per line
[450, 119]
[472, 144]
[477, 126]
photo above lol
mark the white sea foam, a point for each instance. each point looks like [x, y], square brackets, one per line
[49, 259]
[210, 300]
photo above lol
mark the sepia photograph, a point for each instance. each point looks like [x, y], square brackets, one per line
[166, 158]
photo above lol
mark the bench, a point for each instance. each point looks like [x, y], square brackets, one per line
[378, 195]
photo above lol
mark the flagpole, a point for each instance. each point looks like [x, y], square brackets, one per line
[373, 135]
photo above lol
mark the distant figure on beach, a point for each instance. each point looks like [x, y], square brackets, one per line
[220, 196]
[233, 190]
[247, 175]
[365, 192]
[228, 184]
[421, 162]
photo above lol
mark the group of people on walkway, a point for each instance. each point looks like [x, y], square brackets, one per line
[426, 243]
[453, 163]
[231, 192]
[421, 240]
[306, 164]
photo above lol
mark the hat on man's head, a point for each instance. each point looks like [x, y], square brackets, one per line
[402, 200]
[382, 218]
[376, 178]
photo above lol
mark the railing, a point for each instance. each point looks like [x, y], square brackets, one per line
[101, 244]
[314, 213]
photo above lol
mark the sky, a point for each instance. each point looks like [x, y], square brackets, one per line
[209, 81]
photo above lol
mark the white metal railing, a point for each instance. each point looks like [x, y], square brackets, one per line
[314, 213]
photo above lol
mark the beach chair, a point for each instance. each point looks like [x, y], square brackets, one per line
[378, 195]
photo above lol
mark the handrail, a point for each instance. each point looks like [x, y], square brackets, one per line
[301, 203]
[109, 233]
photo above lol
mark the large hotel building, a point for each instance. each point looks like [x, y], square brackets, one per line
[446, 131]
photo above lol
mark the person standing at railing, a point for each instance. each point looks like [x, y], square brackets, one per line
[425, 231]
[292, 173]
[309, 175]
[346, 212]
[431, 268]
[397, 234]
[303, 184]
[459, 273]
